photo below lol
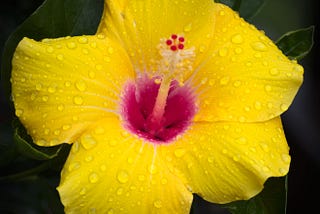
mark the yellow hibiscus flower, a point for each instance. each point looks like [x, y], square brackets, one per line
[169, 98]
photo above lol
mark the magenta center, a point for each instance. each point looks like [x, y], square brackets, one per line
[138, 102]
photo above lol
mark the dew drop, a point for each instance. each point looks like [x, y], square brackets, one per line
[152, 169]
[237, 39]
[110, 211]
[50, 49]
[93, 177]
[92, 74]
[259, 46]
[78, 100]
[286, 158]
[157, 204]
[73, 166]
[257, 105]
[89, 158]
[123, 176]
[66, 127]
[238, 50]
[75, 147]
[71, 45]
[88, 142]
[284, 107]
[38, 87]
[19, 112]
[179, 152]
[274, 71]
[81, 85]
[237, 83]
[210, 159]
[119, 191]
[268, 88]
[61, 107]
[282, 171]
[265, 147]
[83, 40]
[45, 98]
[67, 84]
[187, 28]
[51, 89]
[224, 80]
[60, 57]
[141, 177]
[83, 191]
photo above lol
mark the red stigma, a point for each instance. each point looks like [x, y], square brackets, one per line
[173, 48]
[169, 42]
[174, 36]
[175, 42]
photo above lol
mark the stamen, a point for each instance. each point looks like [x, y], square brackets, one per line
[175, 61]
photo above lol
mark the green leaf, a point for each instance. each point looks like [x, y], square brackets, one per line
[54, 18]
[247, 8]
[25, 146]
[296, 44]
[272, 200]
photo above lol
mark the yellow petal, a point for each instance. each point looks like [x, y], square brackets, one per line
[223, 162]
[111, 171]
[61, 86]
[139, 26]
[242, 75]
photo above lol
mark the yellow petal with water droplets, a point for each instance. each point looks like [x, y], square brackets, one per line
[60, 86]
[243, 76]
[122, 175]
[224, 162]
[139, 26]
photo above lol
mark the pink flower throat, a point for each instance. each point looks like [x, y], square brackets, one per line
[138, 104]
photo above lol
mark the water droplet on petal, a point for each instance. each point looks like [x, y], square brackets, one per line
[282, 171]
[110, 211]
[83, 191]
[268, 88]
[286, 158]
[73, 166]
[93, 177]
[259, 46]
[71, 45]
[123, 176]
[51, 89]
[88, 142]
[83, 40]
[50, 49]
[265, 147]
[188, 28]
[157, 204]
[224, 80]
[45, 98]
[61, 107]
[257, 105]
[81, 85]
[78, 100]
[274, 71]
[237, 39]
[19, 112]
[284, 107]
[60, 57]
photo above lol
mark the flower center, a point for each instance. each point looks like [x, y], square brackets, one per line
[159, 108]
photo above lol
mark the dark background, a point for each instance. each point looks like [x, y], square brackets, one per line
[301, 121]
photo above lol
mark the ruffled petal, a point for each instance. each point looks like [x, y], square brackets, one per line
[61, 86]
[224, 162]
[140, 25]
[111, 171]
[242, 75]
